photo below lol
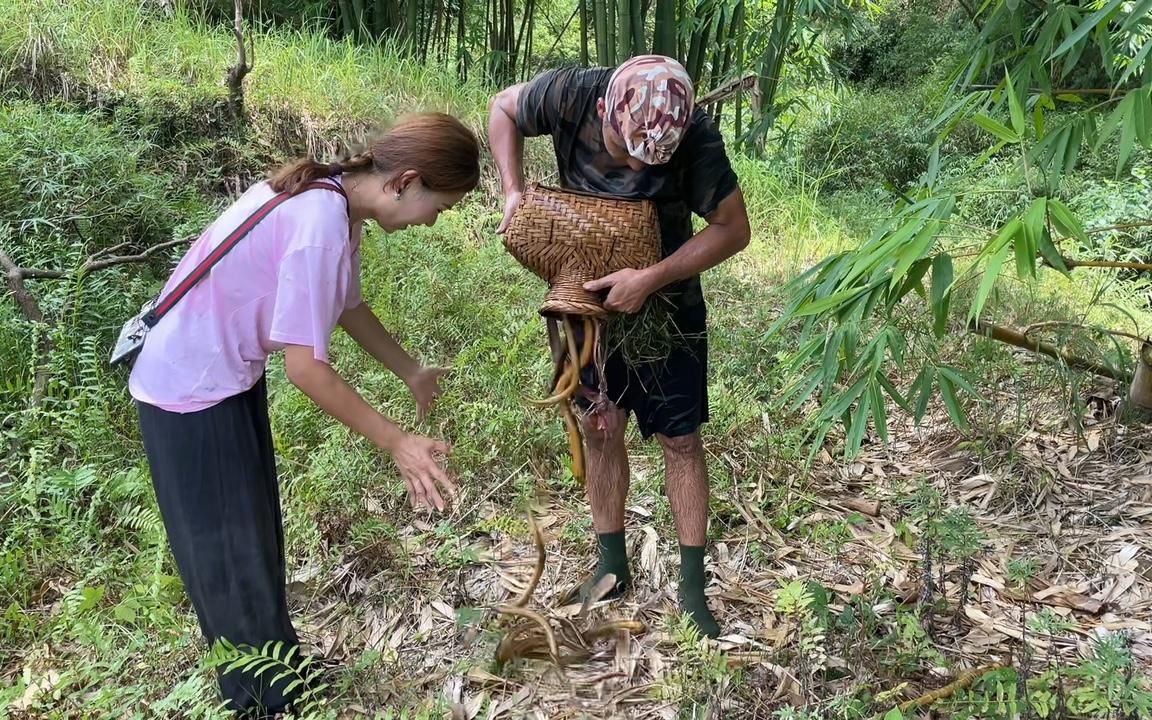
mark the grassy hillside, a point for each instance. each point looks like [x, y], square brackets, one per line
[112, 131]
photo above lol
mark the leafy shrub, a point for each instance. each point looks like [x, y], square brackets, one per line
[907, 41]
[880, 136]
[70, 186]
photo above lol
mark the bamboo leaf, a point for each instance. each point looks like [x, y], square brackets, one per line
[1142, 110]
[1049, 252]
[987, 154]
[1127, 136]
[1072, 150]
[995, 128]
[1115, 119]
[830, 368]
[914, 281]
[914, 252]
[992, 272]
[957, 379]
[879, 411]
[1086, 27]
[804, 392]
[1066, 221]
[923, 385]
[951, 402]
[833, 300]
[1137, 61]
[893, 393]
[934, 164]
[855, 436]
[1034, 222]
[941, 292]
[1016, 110]
[849, 396]
[1138, 14]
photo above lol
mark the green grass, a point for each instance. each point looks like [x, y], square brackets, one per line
[131, 48]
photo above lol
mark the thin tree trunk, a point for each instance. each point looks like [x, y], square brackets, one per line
[412, 25]
[624, 23]
[380, 20]
[741, 44]
[664, 32]
[345, 12]
[461, 45]
[509, 41]
[234, 80]
[725, 65]
[600, 20]
[613, 50]
[772, 65]
[698, 50]
[358, 19]
[524, 40]
[639, 13]
[583, 10]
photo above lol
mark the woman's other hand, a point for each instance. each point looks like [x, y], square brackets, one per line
[419, 461]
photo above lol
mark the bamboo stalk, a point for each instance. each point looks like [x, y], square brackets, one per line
[1073, 264]
[1018, 339]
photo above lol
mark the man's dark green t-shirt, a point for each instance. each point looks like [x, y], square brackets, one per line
[562, 103]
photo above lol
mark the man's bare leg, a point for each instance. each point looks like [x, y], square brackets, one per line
[686, 477]
[607, 484]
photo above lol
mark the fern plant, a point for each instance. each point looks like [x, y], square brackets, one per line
[282, 663]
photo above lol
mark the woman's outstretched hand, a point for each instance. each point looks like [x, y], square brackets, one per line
[425, 386]
[419, 460]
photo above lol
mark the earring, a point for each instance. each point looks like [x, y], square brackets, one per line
[397, 195]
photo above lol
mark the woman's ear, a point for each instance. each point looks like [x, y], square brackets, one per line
[405, 179]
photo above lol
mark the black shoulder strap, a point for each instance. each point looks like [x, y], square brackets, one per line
[228, 243]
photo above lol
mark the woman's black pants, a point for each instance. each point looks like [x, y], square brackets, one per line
[214, 472]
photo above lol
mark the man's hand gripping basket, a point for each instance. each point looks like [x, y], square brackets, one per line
[568, 238]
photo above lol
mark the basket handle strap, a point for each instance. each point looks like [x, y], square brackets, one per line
[237, 234]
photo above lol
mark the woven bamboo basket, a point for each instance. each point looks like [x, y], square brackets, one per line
[567, 238]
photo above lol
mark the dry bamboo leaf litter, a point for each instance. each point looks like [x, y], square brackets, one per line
[1091, 538]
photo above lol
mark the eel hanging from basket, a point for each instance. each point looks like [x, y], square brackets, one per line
[568, 238]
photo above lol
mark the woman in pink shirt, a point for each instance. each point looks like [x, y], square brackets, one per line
[199, 380]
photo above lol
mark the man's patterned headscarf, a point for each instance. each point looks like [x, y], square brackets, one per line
[649, 103]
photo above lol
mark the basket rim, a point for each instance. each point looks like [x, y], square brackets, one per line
[583, 193]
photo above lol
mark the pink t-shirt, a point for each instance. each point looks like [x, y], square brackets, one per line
[286, 283]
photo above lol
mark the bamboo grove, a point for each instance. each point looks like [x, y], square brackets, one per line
[739, 52]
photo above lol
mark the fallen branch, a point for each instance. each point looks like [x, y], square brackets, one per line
[16, 276]
[1073, 264]
[1070, 323]
[1017, 339]
[30, 307]
[98, 261]
[31, 310]
[962, 682]
[1121, 226]
[234, 80]
[728, 89]
[870, 508]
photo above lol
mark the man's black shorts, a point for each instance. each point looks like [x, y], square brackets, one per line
[668, 396]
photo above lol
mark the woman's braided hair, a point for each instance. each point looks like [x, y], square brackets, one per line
[441, 149]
